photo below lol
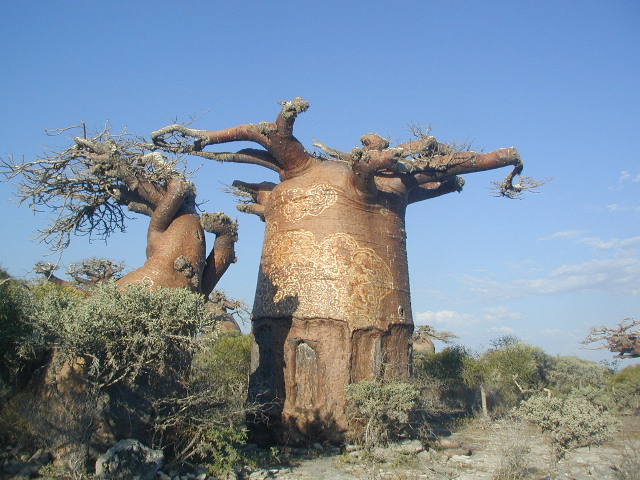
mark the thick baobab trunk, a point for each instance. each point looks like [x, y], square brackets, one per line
[332, 305]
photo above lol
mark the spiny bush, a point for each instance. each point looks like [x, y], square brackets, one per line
[379, 412]
[567, 373]
[210, 418]
[124, 332]
[441, 377]
[571, 421]
[625, 389]
[514, 457]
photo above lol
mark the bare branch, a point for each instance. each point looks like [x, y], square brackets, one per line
[252, 196]
[46, 269]
[247, 155]
[506, 188]
[332, 152]
[87, 184]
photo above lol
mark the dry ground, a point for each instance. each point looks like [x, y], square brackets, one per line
[489, 445]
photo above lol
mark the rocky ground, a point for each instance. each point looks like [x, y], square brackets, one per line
[477, 450]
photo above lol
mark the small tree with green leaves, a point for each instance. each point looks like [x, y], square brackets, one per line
[507, 371]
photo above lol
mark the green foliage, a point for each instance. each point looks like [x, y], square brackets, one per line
[499, 367]
[15, 307]
[572, 421]
[134, 348]
[505, 370]
[225, 360]
[207, 424]
[625, 386]
[441, 377]
[447, 365]
[379, 412]
[567, 373]
[123, 332]
[222, 449]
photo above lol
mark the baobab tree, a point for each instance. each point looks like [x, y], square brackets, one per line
[89, 184]
[623, 339]
[86, 274]
[332, 303]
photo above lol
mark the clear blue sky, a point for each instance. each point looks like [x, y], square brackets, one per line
[557, 79]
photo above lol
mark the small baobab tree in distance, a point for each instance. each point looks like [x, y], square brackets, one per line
[623, 339]
[86, 273]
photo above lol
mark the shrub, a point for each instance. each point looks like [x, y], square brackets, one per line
[440, 376]
[226, 359]
[15, 306]
[112, 355]
[514, 457]
[208, 423]
[625, 387]
[379, 412]
[572, 421]
[567, 373]
[125, 333]
[627, 466]
[502, 372]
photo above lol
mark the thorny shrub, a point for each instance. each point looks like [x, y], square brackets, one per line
[124, 333]
[514, 457]
[440, 376]
[379, 412]
[135, 346]
[625, 387]
[572, 421]
[210, 417]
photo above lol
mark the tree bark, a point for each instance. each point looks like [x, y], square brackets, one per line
[483, 401]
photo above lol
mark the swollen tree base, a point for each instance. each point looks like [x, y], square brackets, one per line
[300, 368]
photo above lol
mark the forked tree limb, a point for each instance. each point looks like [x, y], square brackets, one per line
[250, 156]
[255, 196]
